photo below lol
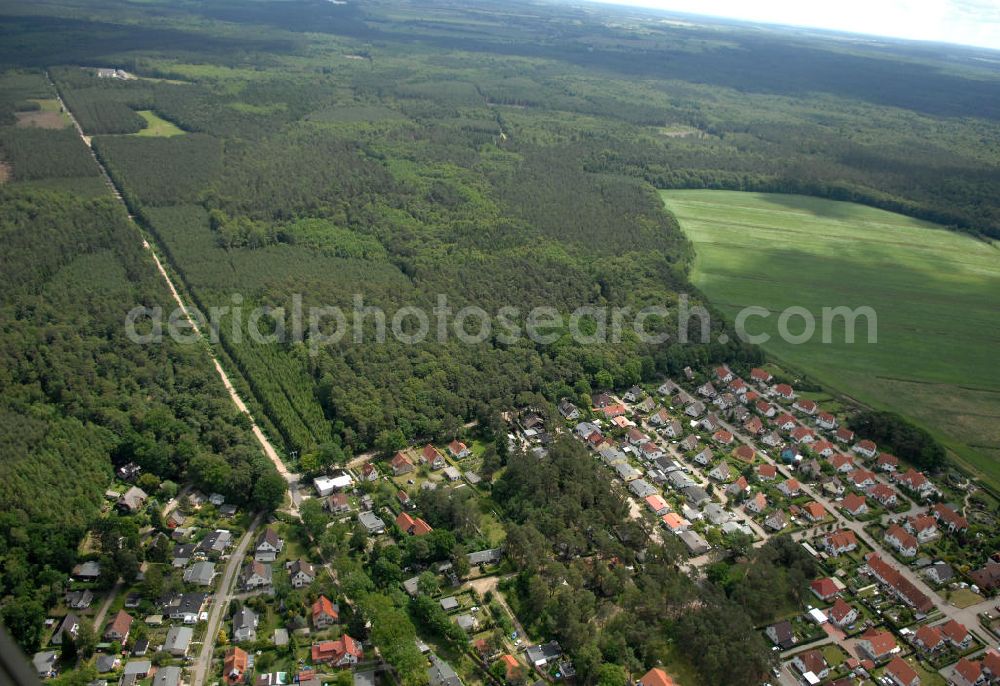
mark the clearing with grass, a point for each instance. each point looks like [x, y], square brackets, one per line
[935, 293]
[158, 127]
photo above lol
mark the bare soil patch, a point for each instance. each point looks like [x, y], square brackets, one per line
[41, 119]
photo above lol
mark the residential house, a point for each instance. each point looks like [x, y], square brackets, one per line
[862, 478]
[696, 495]
[901, 673]
[803, 434]
[855, 505]
[302, 573]
[843, 435]
[710, 422]
[887, 463]
[825, 420]
[675, 522]
[790, 487]
[440, 673]
[694, 409]
[825, 588]
[814, 511]
[987, 577]
[338, 503]
[458, 449]
[268, 546]
[805, 406]
[200, 573]
[745, 453]
[705, 457]
[641, 488]
[716, 514]
[373, 523]
[757, 503]
[949, 518]
[400, 464]
[668, 387]
[842, 614]
[924, 527]
[786, 422]
[753, 426]
[634, 394]
[79, 600]
[877, 645]
[721, 472]
[914, 481]
[245, 625]
[707, 390]
[781, 634]
[343, 652]
[167, 676]
[842, 463]
[967, 673]
[840, 542]
[414, 526]
[695, 544]
[783, 390]
[689, 443]
[772, 440]
[650, 451]
[324, 613]
[723, 437]
[369, 472]
[904, 543]
[45, 663]
[928, 638]
[956, 634]
[811, 661]
[657, 505]
[767, 472]
[890, 577]
[765, 408]
[776, 521]
[178, 640]
[811, 469]
[568, 410]
[255, 575]
[883, 494]
[235, 665]
[738, 488]
[430, 456]
[627, 472]
[940, 573]
[132, 500]
[118, 628]
[865, 448]
[216, 543]
[69, 627]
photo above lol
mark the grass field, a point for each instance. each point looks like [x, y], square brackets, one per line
[49, 115]
[935, 293]
[158, 127]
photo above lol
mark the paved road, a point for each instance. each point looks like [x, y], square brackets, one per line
[203, 664]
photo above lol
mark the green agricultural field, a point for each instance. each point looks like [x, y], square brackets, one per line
[935, 293]
[157, 127]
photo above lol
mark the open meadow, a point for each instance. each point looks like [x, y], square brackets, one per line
[935, 293]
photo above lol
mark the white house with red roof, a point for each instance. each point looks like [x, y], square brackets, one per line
[805, 406]
[914, 481]
[862, 478]
[790, 487]
[765, 408]
[783, 390]
[905, 543]
[840, 542]
[901, 673]
[760, 375]
[843, 435]
[948, 518]
[803, 434]
[786, 422]
[825, 420]
[722, 436]
[824, 448]
[855, 504]
[865, 448]
[884, 495]
[842, 614]
[842, 463]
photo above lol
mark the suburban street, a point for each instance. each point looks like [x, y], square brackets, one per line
[220, 600]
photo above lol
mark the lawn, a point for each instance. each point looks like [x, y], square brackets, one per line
[934, 292]
[158, 127]
[963, 598]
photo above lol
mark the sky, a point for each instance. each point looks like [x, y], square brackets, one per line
[965, 22]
